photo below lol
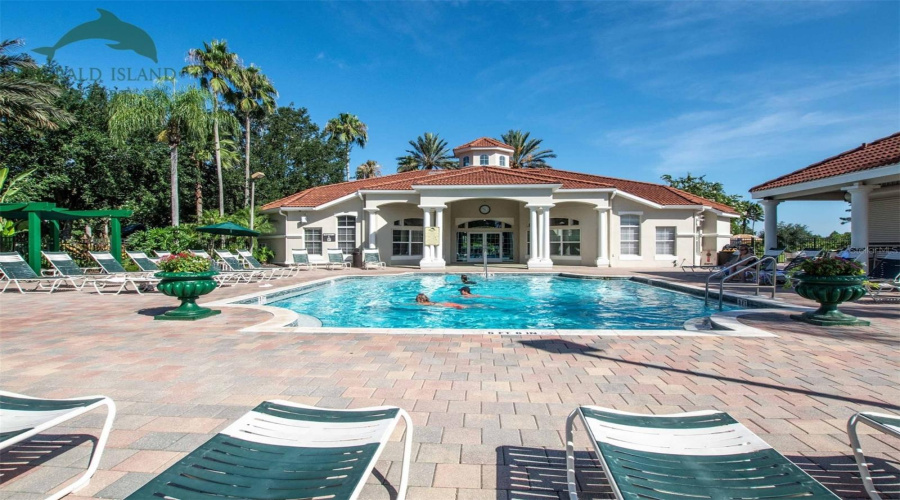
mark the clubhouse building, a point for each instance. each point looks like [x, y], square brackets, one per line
[535, 217]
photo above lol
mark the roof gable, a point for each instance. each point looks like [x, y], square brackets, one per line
[878, 153]
[483, 142]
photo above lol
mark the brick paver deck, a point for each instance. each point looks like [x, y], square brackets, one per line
[489, 411]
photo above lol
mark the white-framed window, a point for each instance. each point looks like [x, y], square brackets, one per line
[483, 160]
[630, 234]
[466, 161]
[346, 233]
[665, 241]
[564, 241]
[408, 238]
[312, 236]
[502, 161]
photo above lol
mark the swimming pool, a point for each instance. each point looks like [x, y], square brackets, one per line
[510, 302]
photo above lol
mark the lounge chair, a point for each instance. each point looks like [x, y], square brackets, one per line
[22, 417]
[889, 424]
[704, 454]
[336, 259]
[233, 265]
[160, 255]
[69, 270]
[301, 259]
[372, 260]
[283, 450]
[224, 277]
[16, 271]
[883, 283]
[143, 262]
[251, 261]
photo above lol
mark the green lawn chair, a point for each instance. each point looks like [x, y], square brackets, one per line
[372, 260]
[224, 278]
[143, 262]
[250, 260]
[336, 259]
[889, 424]
[66, 267]
[16, 271]
[22, 417]
[704, 454]
[283, 450]
[112, 267]
[301, 259]
[233, 264]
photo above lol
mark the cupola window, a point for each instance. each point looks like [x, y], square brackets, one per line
[502, 161]
[466, 161]
[483, 160]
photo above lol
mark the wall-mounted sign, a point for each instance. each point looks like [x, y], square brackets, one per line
[432, 236]
[329, 237]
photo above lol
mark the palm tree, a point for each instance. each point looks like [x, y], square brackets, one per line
[173, 118]
[369, 169]
[428, 152]
[25, 101]
[349, 131]
[526, 152]
[212, 65]
[202, 154]
[253, 97]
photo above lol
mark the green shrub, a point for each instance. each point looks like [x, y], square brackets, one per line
[263, 254]
[830, 266]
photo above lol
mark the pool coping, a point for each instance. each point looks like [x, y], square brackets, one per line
[724, 323]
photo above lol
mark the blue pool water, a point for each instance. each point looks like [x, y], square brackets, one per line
[513, 302]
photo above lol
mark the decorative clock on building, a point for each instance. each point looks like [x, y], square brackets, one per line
[484, 209]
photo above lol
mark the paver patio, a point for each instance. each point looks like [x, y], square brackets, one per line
[489, 411]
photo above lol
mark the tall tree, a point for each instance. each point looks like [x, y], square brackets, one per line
[25, 101]
[172, 117]
[369, 169]
[428, 152]
[253, 96]
[348, 130]
[527, 152]
[213, 65]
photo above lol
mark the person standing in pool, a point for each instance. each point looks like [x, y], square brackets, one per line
[465, 280]
[423, 300]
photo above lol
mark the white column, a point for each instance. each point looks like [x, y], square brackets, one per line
[370, 226]
[545, 229]
[426, 250]
[602, 236]
[859, 214]
[439, 222]
[534, 258]
[770, 221]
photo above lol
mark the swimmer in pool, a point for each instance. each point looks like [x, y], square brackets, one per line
[466, 293]
[465, 280]
[423, 299]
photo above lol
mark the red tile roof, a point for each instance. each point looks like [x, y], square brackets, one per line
[884, 151]
[482, 142]
[495, 176]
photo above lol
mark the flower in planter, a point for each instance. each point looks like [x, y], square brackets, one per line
[184, 262]
[830, 266]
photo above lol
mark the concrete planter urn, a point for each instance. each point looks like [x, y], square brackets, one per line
[187, 287]
[829, 292]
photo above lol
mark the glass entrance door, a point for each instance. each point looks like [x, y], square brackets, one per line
[490, 244]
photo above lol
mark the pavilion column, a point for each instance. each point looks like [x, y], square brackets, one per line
[370, 226]
[545, 241]
[34, 242]
[602, 236]
[115, 238]
[54, 228]
[859, 214]
[535, 258]
[439, 250]
[770, 221]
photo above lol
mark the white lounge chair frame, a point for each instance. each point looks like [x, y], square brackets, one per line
[303, 262]
[889, 424]
[283, 425]
[59, 259]
[333, 261]
[377, 263]
[225, 256]
[251, 261]
[14, 259]
[34, 422]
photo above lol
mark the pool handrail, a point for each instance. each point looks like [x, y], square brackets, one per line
[724, 273]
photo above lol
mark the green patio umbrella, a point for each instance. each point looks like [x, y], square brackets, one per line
[228, 229]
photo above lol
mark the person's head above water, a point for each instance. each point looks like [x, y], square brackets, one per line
[422, 298]
[465, 290]
[465, 279]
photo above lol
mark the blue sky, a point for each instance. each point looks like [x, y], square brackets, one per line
[739, 91]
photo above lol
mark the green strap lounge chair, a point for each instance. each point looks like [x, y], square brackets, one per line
[143, 262]
[224, 277]
[336, 259]
[16, 271]
[372, 260]
[889, 424]
[283, 450]
[301, 259]
[250, 260]
[160, 254]
[69, 270]
[22, 417]
[705, 454]
[234, 265]
[111, 267]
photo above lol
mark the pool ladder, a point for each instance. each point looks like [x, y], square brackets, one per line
[484, 258]
[725, 273]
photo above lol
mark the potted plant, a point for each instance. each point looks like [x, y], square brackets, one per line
[830, 281]
[187, 277]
